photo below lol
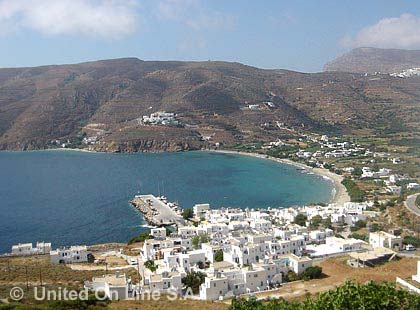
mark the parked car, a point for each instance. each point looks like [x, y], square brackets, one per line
[410, 247]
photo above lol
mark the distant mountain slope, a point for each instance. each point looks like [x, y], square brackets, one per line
[40, 104]
[371, 60]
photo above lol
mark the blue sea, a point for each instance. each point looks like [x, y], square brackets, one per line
[70, 197]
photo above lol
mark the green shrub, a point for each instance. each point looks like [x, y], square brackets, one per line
[351, 296]
[141, 237]
[355, 193]
[218, 256]
[187, 213]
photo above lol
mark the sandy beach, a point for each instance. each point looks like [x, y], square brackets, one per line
[340, 195]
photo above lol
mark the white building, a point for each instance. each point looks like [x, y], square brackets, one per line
[297, 264]
[210, 251]
[73, 254]
[160, 118]
[413, 186]
[22, 249]
[201, 209]
[166, 282]
[27, 249]
[383, 239]
[214, 287]
[244, 254]
[334, 245]
[152, 248]
[191, 259]
[187, 231]
[261, 225]
[228, 281]
[114, 286]
[320, 235]
[158, 233]
[394, 189]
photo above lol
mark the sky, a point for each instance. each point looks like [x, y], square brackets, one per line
[295, 35]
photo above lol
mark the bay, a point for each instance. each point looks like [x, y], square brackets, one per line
[71, 197]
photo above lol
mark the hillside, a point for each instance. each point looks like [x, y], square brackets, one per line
[371, 60]
[42, 104]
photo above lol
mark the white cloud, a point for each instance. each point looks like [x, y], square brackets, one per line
[193, 14]
[100, 18]
[394, 32]
[192, 44]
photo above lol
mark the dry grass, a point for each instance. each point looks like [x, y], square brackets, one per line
[166, 304]
[338, 272]
[17, 270]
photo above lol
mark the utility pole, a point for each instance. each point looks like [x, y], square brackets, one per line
[8, 269]
[40, 275]
[27, 280]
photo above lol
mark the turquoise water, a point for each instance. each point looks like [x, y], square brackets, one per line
[67, 197]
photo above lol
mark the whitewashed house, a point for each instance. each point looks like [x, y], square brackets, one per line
[320, 235]
[152, 248]
[22, 249]
[73, 254]
[43, 248]
[166, 282]
[383, 239]
[334, 245]
[262, 225]
[201, 209]
[244, 254]
[28, 249]
[114, 286]
[187, 231]
[214, 287]
[158, 233]
[210, 250]
[191, 259]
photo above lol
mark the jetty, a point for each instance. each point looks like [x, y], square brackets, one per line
[157, 211]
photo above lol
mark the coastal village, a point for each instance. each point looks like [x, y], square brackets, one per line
[230, 252]
[216, 254]
[209, 155]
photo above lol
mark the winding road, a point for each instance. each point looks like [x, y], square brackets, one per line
[410, 204]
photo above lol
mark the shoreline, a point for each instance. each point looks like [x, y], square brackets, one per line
[340, 195]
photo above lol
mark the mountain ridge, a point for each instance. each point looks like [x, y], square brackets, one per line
[371, 60]
[40, 104]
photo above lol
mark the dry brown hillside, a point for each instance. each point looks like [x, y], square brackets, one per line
[58, 102]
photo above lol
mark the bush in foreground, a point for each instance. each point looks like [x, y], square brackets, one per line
[350, 296]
